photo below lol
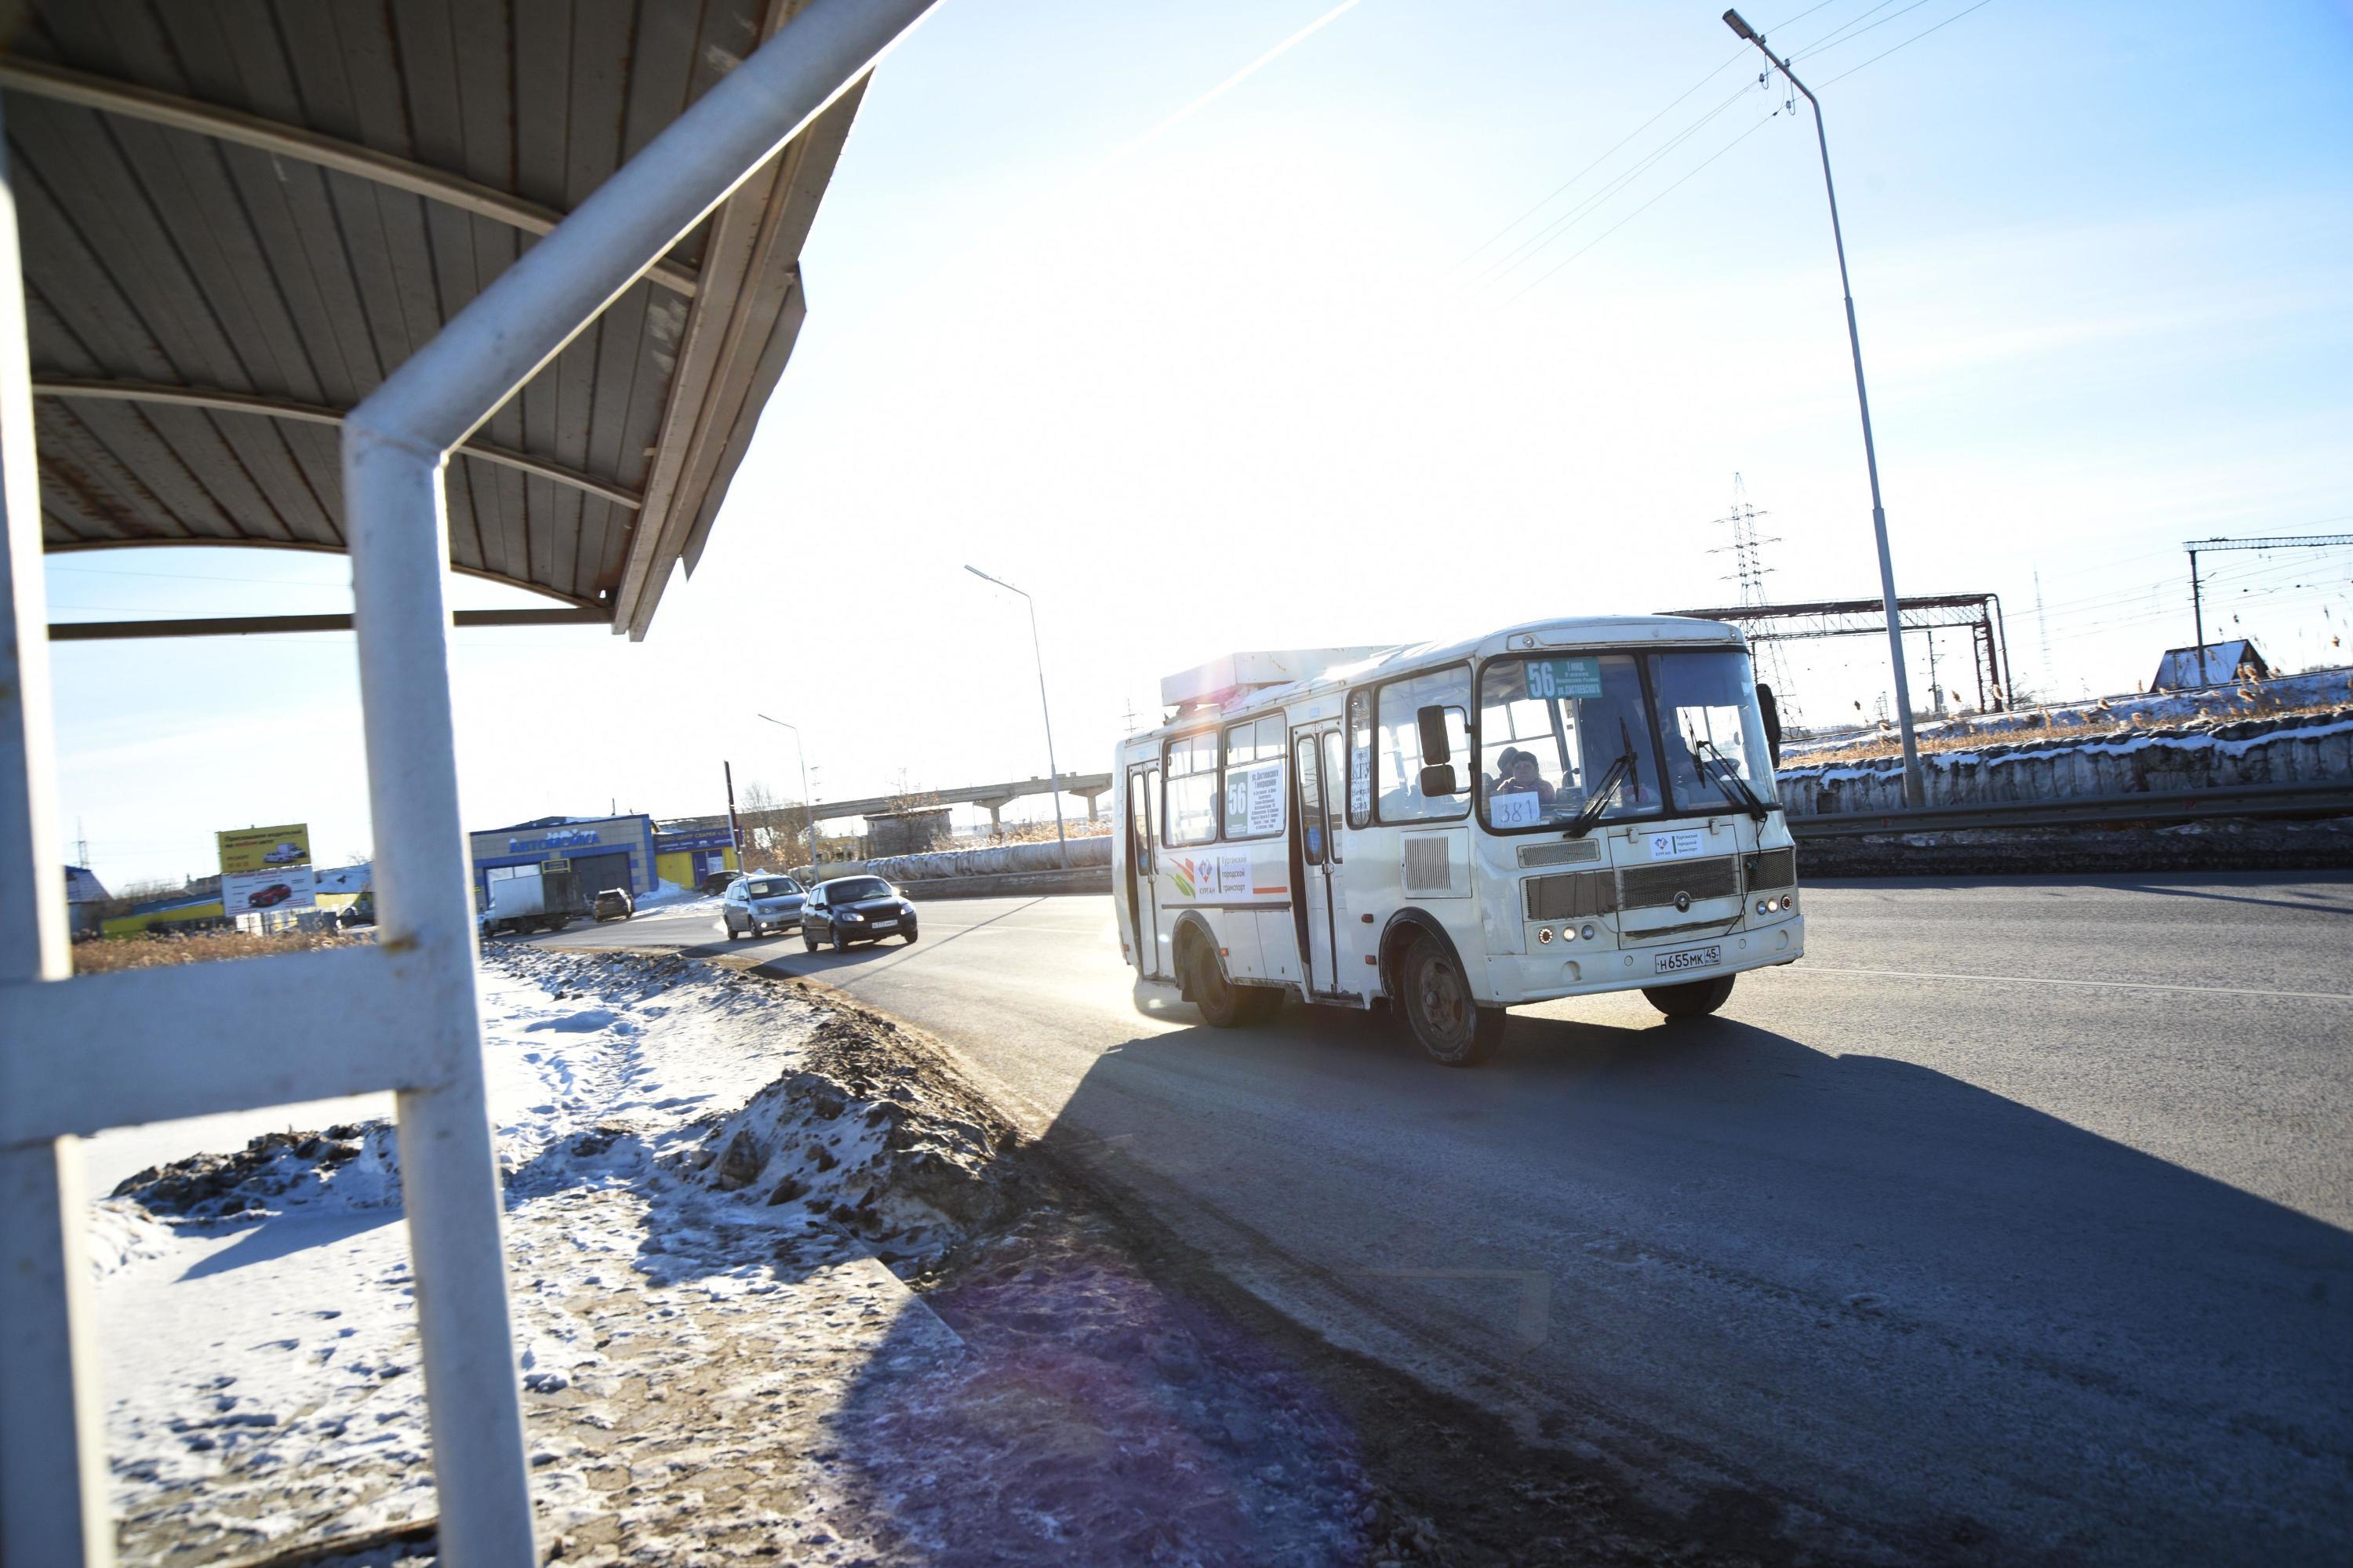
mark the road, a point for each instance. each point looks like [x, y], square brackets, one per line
[2014, 1223]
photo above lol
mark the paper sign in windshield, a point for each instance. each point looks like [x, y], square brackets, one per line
[1549, 678]
[1521, 809]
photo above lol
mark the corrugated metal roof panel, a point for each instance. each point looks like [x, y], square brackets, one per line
[222, 203]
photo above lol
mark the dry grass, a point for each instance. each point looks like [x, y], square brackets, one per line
[2121, 720]
[145, 952]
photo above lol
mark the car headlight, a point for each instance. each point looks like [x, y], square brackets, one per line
[851, 914]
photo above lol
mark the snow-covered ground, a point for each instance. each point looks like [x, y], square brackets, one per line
[711, 1180]
[238, 1352]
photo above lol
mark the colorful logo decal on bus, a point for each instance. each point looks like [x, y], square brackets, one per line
[1181, 873]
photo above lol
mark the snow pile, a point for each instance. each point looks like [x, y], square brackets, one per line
[345, 1167]
[669, 895]
[2294, 749]
[865, 1137]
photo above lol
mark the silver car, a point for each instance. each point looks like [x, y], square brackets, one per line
[761, 902]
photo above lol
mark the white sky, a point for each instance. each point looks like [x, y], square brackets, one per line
[1245, 376]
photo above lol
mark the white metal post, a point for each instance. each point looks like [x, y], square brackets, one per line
[396, 519]
[396, 444]
[52, 1471]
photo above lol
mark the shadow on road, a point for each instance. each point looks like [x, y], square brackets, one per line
[1869, 1290]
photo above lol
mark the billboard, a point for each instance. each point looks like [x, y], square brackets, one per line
[277, 887]
[264, 849]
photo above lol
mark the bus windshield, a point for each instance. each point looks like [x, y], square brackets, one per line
[1555, 729]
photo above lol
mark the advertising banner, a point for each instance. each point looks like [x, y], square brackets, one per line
[278, 887]
[264, 849]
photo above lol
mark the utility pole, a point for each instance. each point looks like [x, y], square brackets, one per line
[2197, 615]
[2282, 541]
[734, 827]
[1915, 789]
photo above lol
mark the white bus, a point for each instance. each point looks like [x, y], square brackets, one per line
[1549, 810]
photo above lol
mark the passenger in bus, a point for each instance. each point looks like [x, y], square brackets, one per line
[1521, 776]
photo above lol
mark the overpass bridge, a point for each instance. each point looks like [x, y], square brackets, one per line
[1088, 787]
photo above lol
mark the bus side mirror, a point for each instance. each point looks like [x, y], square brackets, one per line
[1438, 780]
[1434, 751]
[1770, 708]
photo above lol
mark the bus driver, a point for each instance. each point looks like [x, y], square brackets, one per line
[1520, 775]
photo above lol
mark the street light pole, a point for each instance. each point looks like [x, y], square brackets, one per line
[1053, 773]
[1916, 792]
[808, 807]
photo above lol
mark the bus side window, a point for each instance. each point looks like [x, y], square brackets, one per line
[1192, 775]
[1360, 758]
[1401, 800]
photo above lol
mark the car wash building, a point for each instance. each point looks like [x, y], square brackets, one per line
[607, 852]
[603, 852]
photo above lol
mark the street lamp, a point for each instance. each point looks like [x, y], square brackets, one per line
[1053, 773]
[808, 806]
[1916, 791]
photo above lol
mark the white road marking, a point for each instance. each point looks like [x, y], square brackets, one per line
[2105, 984]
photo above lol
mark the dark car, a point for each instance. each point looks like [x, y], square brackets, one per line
[361, 911]
[276, 893]
[761, 902]
[719, 881]
[615, 904]
[856, 909]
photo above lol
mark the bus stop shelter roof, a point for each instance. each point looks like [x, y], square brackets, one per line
[237, 218]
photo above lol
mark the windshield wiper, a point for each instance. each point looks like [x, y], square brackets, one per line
[1725, 773]
[1598, 802]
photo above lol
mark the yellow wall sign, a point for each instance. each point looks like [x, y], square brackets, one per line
[265, 849]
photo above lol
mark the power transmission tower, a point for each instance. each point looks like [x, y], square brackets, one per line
[1748, 574]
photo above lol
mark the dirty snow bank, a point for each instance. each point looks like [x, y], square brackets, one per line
[867, 1138]
[704, 1171]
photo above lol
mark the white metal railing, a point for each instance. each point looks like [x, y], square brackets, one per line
[78, 1056]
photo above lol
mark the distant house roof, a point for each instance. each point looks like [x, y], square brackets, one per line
[82, 886]
[2232, 661]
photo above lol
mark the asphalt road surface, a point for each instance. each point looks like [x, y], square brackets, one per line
[2016, 1222]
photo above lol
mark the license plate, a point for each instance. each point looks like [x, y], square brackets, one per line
[885, 925]
[1689, 958]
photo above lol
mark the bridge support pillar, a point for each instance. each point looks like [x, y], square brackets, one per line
[996, 809]
[1093, 798]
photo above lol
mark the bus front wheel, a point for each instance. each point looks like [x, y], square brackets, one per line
[1692, 999]
[1436, 997]
[1220, 1001]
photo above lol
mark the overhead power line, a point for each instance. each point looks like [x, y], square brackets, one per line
[1855, 29]
[1563, 188]
[1915, 38]
[1646, 206]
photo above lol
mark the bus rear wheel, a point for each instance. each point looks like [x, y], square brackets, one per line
[1692, 999]
[1436, 1000]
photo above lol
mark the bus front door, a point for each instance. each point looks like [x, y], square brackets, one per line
[1142, 902]
[1312, 750]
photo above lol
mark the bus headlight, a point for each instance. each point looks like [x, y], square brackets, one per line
[1545, 935]
[1764, 906]
[1789, 900]
[1588, 933]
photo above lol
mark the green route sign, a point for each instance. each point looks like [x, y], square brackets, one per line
[1560, 678]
